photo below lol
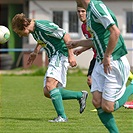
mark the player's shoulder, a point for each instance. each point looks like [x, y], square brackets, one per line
[43, 21]
[95, 3]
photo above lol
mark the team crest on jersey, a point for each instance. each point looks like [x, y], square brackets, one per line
[41, 43]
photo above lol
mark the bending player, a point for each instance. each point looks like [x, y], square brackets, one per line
[53, 39]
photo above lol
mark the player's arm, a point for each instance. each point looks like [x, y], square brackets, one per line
[33, 55]
[84, 43]
[71, 57]
[114, 35]
[81, 50]
[113, 39]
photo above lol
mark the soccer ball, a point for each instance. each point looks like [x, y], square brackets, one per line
[4, 34]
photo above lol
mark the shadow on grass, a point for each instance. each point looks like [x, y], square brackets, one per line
[22, 119]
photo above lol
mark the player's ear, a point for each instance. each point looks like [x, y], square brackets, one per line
[26, 24]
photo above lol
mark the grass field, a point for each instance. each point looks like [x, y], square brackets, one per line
[24, 109]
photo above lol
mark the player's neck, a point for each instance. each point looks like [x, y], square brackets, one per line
[84, 22]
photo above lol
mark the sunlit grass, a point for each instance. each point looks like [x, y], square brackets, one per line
[24, 109]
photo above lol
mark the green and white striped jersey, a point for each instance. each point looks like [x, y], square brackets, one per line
[50, 36]
[99, 19]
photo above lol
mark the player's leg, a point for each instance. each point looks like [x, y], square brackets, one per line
[106, 118]
[129, 89]
[92, 64]
[115, 85]
[55, 96]
[81, 96]
[120, 102]
[50, 84]
[58, 71]
[46, 93]
[67, 94]
[98, 80]
[90, 70]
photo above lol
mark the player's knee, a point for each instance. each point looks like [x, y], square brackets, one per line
[46, 93]
[47, 86]
[108, 108]
[96, 103]
[50, 85]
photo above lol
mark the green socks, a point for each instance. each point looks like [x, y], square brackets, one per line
[67, 94]
[58, 94]
[57, 102]
[120, 102]
[108, 120]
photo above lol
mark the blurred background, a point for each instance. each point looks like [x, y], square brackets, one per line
[15, 52]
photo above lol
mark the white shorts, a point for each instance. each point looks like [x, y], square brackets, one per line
[57, 69]
[111, 85]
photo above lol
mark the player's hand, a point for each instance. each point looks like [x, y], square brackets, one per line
[89, 80]
[77, 52]
[31, 58]
[106, 64]
[72, 61]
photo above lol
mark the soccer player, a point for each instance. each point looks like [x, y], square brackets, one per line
[81, 12]
[53, 39]
[111, 71]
